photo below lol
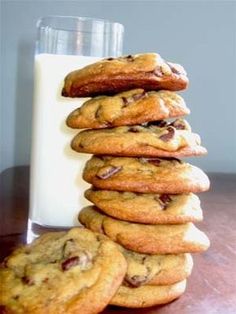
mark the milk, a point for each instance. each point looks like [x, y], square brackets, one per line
[56, 185]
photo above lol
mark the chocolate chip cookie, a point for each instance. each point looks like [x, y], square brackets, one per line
[128, 108]
[146, 296]
[145, 269]
[62, 272]
[162, 139]
[147, 208]
[145, 175]
[110, 76]
[148, 239]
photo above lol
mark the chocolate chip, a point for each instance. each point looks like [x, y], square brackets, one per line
[168, 136]
[159, 123]
[107, 172]
[131, 99]
[129, 58]
[70, 262]
[156, 198]
[143, 259]
[27, 280]
[179, 124]
[110, 59]
[153, 161]
[127, 100]
[136, 280]
[158, 71]
[165, 198]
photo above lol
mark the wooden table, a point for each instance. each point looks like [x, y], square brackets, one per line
[212, 285]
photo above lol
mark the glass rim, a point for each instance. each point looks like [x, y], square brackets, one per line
[39, 23]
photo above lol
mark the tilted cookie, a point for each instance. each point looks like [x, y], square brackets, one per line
[162, 139]
[128, 108]
[146, 296]
[110, 76]
[147, 208]
[62, 272]
[148, 239]
[146, 269]
[145, 175]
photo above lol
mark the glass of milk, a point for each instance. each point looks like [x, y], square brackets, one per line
[64, 44]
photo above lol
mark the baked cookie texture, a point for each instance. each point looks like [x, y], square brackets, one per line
[148, 239]
[62, 272]
[161, 139]
[146, 296]
[147, 208]
[127, 108]
[145, 269]
[145, 175]
[110, 76]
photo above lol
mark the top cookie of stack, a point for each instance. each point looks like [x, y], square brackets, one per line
[110, 76]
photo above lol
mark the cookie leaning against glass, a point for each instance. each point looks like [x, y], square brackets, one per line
[110, 76]
[62, 272]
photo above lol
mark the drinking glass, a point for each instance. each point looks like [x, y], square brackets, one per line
[64, 44]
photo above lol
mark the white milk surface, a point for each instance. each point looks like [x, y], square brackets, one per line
[56, 184]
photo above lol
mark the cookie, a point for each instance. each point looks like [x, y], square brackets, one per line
[148, 239]
[145, 269]
[173, 139]
[146, 296]
[62, 272]
[145, 175]
[128, 108]
[147, 208]
[110, 76]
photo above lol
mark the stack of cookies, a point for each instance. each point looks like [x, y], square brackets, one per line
[142, 192]
[142, 195]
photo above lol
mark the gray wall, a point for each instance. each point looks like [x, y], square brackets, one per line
[198, 34]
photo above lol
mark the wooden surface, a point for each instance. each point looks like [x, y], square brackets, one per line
[212, 285]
